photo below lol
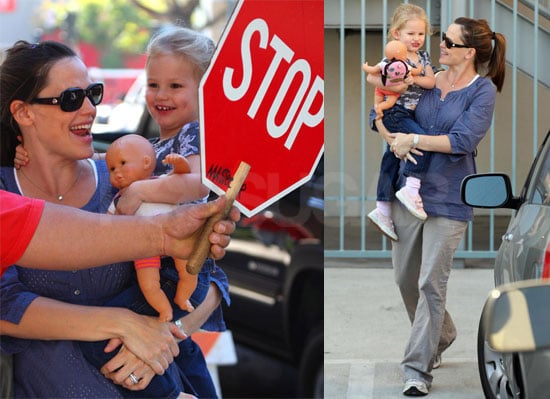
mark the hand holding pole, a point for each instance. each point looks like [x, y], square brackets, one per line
[202, 247]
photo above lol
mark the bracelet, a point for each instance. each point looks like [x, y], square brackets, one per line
[180, 326]
[415, 140]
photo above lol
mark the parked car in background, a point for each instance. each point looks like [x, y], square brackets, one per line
[275, 269]
[523, 255]
[274, 262]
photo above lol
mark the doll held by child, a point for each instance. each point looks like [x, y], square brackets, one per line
[394, 69]
[131, 158]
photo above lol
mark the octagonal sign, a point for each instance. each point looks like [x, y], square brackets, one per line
[262, 101]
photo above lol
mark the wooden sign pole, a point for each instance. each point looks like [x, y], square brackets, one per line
[202, 248]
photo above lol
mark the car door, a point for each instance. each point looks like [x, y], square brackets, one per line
[525, 241]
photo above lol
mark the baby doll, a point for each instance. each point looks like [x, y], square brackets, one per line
[131, 158]
[394, 69]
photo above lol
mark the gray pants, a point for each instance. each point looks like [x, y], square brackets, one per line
[422, 261]
[6, 376]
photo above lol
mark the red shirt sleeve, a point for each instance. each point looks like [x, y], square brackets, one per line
[19, 217]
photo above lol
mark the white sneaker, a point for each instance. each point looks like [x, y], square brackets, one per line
[415, 388]
[413, 205]
[383, 223]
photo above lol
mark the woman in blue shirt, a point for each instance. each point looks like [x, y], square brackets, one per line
[455, 117]
[49, 100]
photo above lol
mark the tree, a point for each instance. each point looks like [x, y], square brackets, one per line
[118, 27]
[184, 9]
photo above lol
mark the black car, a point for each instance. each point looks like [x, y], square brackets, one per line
[275, 269]
[274, 265]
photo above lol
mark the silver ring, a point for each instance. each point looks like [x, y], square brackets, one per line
[133, 378]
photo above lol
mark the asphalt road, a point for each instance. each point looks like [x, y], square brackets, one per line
[257, 376]
[366, 329]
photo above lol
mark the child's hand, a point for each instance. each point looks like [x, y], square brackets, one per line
[21, 156]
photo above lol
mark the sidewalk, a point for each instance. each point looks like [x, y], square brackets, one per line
[366, 329]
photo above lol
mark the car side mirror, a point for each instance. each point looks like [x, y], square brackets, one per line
[489, 190]
[515, 317]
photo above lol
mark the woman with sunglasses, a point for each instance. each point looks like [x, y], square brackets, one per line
[49, 100]
[455, 116]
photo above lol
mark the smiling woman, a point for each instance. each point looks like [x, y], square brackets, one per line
[464, 100]
[49, 100]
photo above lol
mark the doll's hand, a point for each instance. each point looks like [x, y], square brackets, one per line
[21, 155]
[179, 163]
[371, 69]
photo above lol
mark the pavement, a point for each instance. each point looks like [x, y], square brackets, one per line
[366, 328]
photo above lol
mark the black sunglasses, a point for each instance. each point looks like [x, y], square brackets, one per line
[449, 43]
[71, 99]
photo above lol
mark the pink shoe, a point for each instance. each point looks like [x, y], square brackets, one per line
[413, 205]
[383, 223]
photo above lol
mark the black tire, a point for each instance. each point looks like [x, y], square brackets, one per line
[311, 366]
[494, 379]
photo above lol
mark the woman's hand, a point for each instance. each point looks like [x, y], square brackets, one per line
[402, 147]
[149, 339]
[126, 368]
[387, 136]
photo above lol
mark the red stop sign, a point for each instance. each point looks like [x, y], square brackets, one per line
[262, 100]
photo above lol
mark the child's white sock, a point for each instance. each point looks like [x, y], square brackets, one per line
[384, 207]
[413, 186]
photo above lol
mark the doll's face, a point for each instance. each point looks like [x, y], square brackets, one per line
[129, 161]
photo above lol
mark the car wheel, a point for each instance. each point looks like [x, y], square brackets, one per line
[494, 379]
[311, 366]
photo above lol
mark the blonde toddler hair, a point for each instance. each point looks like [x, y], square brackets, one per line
[406, 12]
[194, 46]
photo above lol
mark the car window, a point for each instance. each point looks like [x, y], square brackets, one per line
[539, 191]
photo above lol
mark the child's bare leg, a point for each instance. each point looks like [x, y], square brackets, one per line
[149, 283]
[186, 285]
[377, 101]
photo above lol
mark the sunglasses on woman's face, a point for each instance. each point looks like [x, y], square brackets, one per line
[449, 43]
[72, 99]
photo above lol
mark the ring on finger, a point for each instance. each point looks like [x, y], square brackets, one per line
[133, 378]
